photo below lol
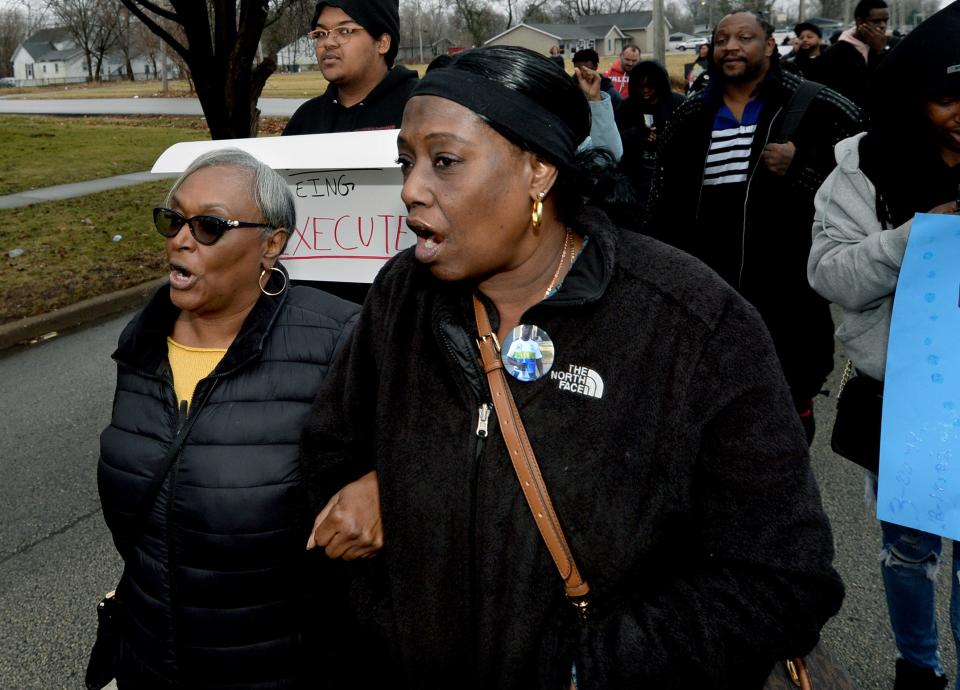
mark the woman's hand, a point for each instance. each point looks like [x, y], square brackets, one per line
[349, 526]
[951, 208]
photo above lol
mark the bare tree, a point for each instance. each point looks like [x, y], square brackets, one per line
[79, 18]
[479, 20]
[219, 44]
[289, 27]
[14, 29]
[583, 8]
[434, 19]
[523, 10]
[106, 32]
[132, 40]
[679, 19]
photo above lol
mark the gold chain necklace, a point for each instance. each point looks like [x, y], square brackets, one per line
[563, 255]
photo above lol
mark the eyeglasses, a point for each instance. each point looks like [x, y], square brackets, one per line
[205, 229]
[342, 34]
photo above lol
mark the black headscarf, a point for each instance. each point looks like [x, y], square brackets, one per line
[901, 154]
[378, 17]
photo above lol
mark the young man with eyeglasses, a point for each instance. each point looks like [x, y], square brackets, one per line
[356, 42]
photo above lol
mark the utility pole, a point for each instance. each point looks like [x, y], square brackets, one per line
[163, 65]
[801, 13]
[659, 46]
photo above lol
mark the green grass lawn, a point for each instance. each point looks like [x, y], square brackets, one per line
[68, 251]
[280, 85]
[40, 151]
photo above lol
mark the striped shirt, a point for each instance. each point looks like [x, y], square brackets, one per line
[728, 158]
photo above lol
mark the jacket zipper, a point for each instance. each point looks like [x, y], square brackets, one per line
[746, 201]
[483, 418]
[479, 437]
[182, 415]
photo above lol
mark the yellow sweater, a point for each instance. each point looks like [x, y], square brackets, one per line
[189, 365]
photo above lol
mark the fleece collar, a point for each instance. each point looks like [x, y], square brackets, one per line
[850, 36]
[590, 275]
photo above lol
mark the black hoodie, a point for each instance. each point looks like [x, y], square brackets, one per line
[924, 65]
[381, 109]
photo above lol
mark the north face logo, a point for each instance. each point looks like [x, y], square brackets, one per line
[582, 380]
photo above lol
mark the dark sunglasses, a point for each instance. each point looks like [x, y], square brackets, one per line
[205, 229]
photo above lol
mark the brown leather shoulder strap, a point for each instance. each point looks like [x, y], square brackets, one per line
[525, 463]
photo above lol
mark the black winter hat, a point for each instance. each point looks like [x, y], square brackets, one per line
[928, 58]
[808, 26]
[378, 17]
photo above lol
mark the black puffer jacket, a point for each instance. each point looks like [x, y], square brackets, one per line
[666, 437]
[214, 579]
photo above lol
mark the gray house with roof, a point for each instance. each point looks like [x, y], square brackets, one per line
[605, 33]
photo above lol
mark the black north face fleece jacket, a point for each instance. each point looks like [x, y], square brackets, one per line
[668, 441]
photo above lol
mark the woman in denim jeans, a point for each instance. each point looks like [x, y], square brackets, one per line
[908, 163]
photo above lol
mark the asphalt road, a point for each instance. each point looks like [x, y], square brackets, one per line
[275, 107]
[56, 557]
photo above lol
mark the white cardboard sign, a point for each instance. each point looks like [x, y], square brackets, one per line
[350, 219]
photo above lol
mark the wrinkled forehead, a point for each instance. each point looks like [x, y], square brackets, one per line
[739, 21]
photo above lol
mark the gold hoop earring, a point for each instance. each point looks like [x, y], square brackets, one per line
[263, 272]
[536, 217]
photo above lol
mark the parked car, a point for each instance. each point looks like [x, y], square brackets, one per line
[7, 82]
[684, 42]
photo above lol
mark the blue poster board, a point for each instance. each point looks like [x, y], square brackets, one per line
[920, 442]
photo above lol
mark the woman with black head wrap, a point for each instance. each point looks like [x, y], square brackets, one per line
[909, 162]
[650, 393]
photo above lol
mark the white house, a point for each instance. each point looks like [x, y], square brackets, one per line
[297, 55]
[50, 56]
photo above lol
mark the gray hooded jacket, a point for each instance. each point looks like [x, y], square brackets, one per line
[854, 261]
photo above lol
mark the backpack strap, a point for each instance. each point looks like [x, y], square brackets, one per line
[797, 107]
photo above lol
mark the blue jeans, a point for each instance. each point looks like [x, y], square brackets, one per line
[909, 562]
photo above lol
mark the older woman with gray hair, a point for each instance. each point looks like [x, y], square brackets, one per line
[199, 472]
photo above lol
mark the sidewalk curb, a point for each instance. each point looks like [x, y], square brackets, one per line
[79, 314]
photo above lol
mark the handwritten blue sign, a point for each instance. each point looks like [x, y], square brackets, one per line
[920, 441]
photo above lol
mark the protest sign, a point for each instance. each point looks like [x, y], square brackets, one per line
[919, 483]
[350, 219]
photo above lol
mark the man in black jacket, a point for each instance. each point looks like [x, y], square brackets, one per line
[806, 60]
[848, 65]
[357, 42]
[751, 194]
